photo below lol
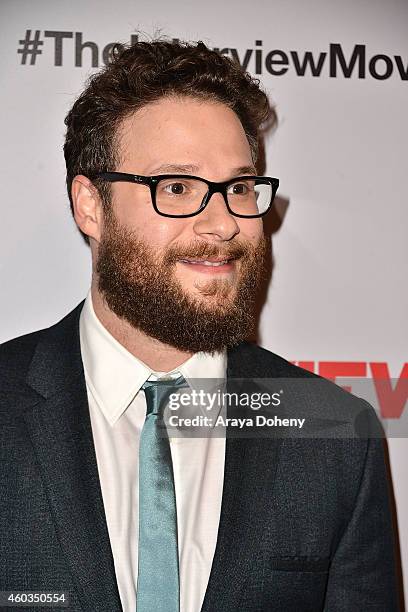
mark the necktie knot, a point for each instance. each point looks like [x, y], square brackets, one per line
[157, 392]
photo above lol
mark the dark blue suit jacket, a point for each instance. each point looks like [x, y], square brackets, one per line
[305, 523]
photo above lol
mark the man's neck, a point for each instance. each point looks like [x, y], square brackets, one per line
[156, 355]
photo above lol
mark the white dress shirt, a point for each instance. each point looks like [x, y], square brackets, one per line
[117, 410]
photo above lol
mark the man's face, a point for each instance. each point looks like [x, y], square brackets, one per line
[148, 266]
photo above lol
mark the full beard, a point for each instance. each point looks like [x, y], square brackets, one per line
[141, 287]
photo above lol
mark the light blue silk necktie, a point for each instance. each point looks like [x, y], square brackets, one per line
[158, 582]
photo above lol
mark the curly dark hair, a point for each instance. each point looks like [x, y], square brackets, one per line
[142, 73]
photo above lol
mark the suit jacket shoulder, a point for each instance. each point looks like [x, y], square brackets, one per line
[263, 362]
[50, 353]
[321, 397]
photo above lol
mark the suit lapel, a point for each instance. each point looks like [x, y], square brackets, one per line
[249, 476]
[61, 433]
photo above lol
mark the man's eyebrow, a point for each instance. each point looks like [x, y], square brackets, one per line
[191, 169]
[180, 168]
[244, 170]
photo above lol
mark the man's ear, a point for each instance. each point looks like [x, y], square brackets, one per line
[87, 206]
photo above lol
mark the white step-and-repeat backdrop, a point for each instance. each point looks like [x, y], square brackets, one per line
[338, 74]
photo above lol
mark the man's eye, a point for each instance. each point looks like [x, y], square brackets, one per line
[238, 189]
[175, 188]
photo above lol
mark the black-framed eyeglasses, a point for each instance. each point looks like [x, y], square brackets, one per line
[183, 195]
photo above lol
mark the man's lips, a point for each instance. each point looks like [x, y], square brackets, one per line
[212, 264]
[208, 261]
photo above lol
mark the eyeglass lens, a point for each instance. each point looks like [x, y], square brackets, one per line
[180, 196]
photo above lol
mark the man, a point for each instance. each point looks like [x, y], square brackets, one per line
[160, 151]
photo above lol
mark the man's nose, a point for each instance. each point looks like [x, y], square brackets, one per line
[216, 220]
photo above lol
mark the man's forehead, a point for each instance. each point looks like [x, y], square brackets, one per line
[195, 169]
[184, 139]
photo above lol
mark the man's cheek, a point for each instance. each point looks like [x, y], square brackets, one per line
[164, 232]
[251, 230]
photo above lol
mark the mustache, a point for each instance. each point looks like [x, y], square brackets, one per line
[206, 250]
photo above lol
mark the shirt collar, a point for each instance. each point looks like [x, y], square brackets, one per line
[114, 375]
